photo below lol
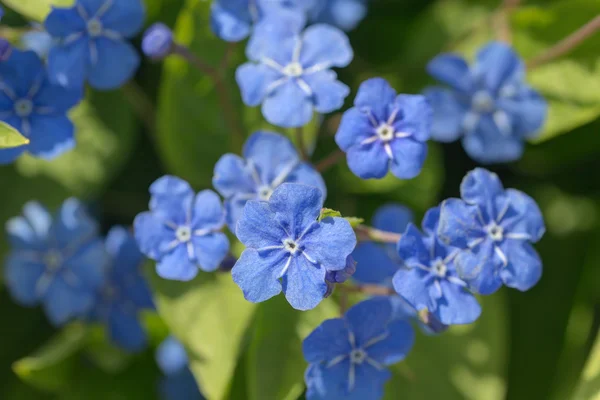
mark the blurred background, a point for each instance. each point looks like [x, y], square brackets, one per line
[530, 345]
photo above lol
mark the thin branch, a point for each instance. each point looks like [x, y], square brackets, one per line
[366, 233]
[373, 290]
[330, 161]
[299, 132]
[567, 44]
[141, 105]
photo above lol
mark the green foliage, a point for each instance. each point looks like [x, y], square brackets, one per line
[36, 9]
[10, 137]
[589, 387]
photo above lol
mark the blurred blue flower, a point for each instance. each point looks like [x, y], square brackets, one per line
[125, 292]
[5, 50]
[57, 261]
[182, 231]
[385, 132]
[288, 249]
[290, 72]
[35, 107]
[345, 14]
[495, 227]
[348, 356]
[90, 42]
[37, 40]
[178, 383]
[158, 41]
[430, 282]
[269, 160]
[489, 104]
[232, 20]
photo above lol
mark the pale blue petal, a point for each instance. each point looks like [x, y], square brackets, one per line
[171, 356]
[409, 157]
[38, 217]
[524, 269]
[396, 346]
[448, 114]
[497, 63]
[410, 284]
[105, 73]
[258, 228]
[452, 70]
[479, 268]
[125, 330]
[431, 221]
[228, 26]
[210, 250]
[457, 306]
[255, 81]
[172, 199]
[458, 223]
[488, 145]
[373, 264]
[368, 319]
[327, 342]
[271, 155]
[325, 45]
[392, 218]
[62, 22]
[368, 161]
[177, 265]
[258, 275]
[288, 106]
[481, 187]
[305, 284]
[296, 207]
[73, 224]
[528, 219]
[328, 93]
[152, 235]
[68, 65]
[306, 174]
[124, 17]
[51, 136]
[234, 209]
[21, 274]
[330, 243]
[354, 128]
[416, 116]
[63, 302]
[231, 176]
[208, 212]
[376, 95]
[412, 248]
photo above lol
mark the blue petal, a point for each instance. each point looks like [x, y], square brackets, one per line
[30, 231]
[346, 14]
[63, 302]
[296, 207]
[22, 272]
[51, 136]
[448, 114]
[457, 305]
[412, 248]
[22, 71]
[452, 70]
[255, 82]
[72, 223]
[368, 161]
[288, 106]
[88, 266]
[325, 45]
[62, 22]
[330, 243]
[172, 199]
[354, 128]
[306, 174]
[528, 112]
[116, 63]
[479, 268]
[171, 356]
[68, 65]
[231, 176]
[497, 63]
[8, 156]
[126, 331]
[227, 25]
[373, 264]
[38, 41]
[431, 221]
[38, 217]
[392, 218]
[481, 188]
[306, 286]
[524, 268]
[122, 248]
[234, 209]
[326, 342]
[59, 99]
[208, 212]
[124, 17]
[258, 228]
[210, 250]
[368, 319]
[275, 39]
[272, 155]
[409, 284]
[376, 95]
[409, 157]
[177, 265]
[258, 275]
[528, 219]
[181, 385]
[416, 116]
[152, 235]
[396, 346]
[488, 145]
[458, 223]
[328, 93]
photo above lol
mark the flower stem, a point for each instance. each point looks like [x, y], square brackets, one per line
[330, 161]
[501, 21]
[567, 44]
[141, 105]
[373, 290]
[366, 233]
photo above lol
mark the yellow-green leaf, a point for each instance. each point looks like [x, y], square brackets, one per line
[10, 137]
[36, 9]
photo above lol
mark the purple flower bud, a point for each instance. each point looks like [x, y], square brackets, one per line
[158, 41]
[5, 49]
[342, 276]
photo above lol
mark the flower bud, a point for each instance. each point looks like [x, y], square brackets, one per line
[158, 41]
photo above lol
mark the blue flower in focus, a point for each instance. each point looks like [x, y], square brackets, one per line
[268, 161]
[385, 132]
[496, 228]
[35, 107]
[178, 383]
[290, 72]
[348, 356]
[431, 282]
[91, 42]
[125, 292]
[345, 14]
[182, 231]
[287, 249]
[57, 261]
[489, 104]
[232, 20]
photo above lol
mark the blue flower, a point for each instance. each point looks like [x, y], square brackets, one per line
[384, 131]
[35, 107]
[125, 292]
[288, 249]
[90, 42]
[340, 276]
[158, 41]
[182, 232]
[269, 160]
[290, 73]
[37, 40]
[489, 104]
[232, 20]
[431, 282]
[495, 227]
[348, 356]
[178, 383]
[345, 14]
[57, 261]
[377, 263]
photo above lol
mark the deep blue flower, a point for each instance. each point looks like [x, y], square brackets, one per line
[345, 14]
[35, 107]
[290, 72]
[288, 249]
[348, 356]
[495, 227]
[125, 292]
[182, 231]
[91, 42]
[5, 50]
[489, 104]
[385, 131]
[377, 263]
[57, 261]
[268, 161]
[178, 383]
[430, 282]
[340, 276]
[158, 41]
[233, 20]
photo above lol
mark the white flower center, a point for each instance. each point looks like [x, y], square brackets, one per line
[183, 234]
[439, 268]
[53, 259]
[265, 192]
[358, 356]
[94, 27]
[23, 108]
[293, 69]
[496, 232]
[385, 132]
[290, 246]
[482, 102]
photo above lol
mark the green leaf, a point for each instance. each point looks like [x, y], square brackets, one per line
[354, 221]
[328, 212]
[10, 137]
[103, 352]
[589, 387]
[210, 316]
[51, 367]
[36, 9]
